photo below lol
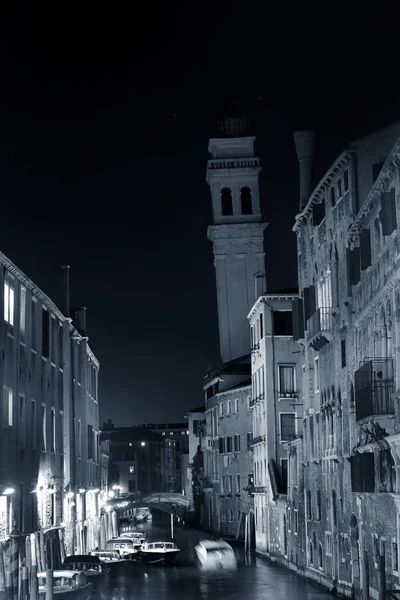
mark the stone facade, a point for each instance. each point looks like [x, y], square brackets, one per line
[343, 479]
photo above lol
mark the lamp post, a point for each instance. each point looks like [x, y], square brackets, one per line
[173, 514]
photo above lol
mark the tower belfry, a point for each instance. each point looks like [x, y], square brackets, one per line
[237, 231]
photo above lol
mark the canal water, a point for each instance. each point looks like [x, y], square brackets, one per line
[253, 580]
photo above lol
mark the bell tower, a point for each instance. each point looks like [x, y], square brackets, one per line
[237, 231]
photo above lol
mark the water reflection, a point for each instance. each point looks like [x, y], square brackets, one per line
[254, 578]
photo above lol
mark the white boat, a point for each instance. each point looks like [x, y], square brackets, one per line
[107, 556]
[138, 537]
[159, 552]
[215, 554]
[125, 547]
[67, 585]
[89, 564]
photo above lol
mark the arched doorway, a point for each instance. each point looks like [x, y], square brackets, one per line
[355, 552]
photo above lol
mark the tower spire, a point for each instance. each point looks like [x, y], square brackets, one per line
[230, 120]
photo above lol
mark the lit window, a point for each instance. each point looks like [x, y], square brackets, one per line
[8, 304]
[22, 313]
[130, 443]
[131, 469]
[187, 432]
[8, 405]
[171, 433]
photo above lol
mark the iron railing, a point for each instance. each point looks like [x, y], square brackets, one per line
[374, 387]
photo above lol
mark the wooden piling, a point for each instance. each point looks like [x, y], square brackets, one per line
[9, 586]
[49, 584]
[382, 578]
[34, 583]
[24, 584]
[2, 575]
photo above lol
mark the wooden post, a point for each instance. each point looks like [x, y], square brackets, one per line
[365, 577]
[24, 584]
[34, 583]
[382, 578]
[49, 584]
[9, 587]
[2, 575]
[172, 526]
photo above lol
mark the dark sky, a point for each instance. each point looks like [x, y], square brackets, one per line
[105, 117]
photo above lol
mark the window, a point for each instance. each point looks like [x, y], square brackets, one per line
[283, 324]
[60, 345]
[45, 333]
[320, 556]
[343, 352]
[288, 426]
[33, 320]
[54, 328]
[22, 314]
[8, 304]
[61, 432]
[236, 405]
[21, 433]
[236, 443]
[228, 407]
[221, 409]
[53, 430]
[284, 475]
[246, 201]
[229, 481]
[286, 380]
[328, 544]
[296, 521]
[346, 180]
[90, 442]
[229, 443]
[308, 506]
[221, 445]
[226, 202]
[32, 425]
[237, 483]
[318, 515]
[131, 468]
[261, 327]
[8, 396]
[395, 556]
[43, 446]
[249, 439]
[316, 374]
[79, 438]
[333, 197]
[339, 187]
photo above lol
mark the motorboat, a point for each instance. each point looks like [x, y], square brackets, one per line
[89, 564]
[107, 557]
[125, 547]
[67, 585]
[215, 554]
[138, 537]
[159, 552]
[139, 517]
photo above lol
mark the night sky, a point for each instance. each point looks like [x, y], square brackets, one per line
[105, 117]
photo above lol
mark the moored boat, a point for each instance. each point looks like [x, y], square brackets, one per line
[125, 547]
[159, 552]
[67, 585]
[107, 557]
[89, 564]
[138, 537]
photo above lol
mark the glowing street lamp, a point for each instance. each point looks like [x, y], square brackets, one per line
[143, 443]
[8, 491]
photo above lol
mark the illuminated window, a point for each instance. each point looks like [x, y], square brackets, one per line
[8, 406]
[131, 469]
[22, 314]
[8, 304]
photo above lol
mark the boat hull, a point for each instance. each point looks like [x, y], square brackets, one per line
[77, 593]
[159, 557]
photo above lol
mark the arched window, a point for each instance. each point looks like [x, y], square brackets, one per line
[318, 505]
[320, 555]
[308, 504]
[310, 549]
[226, 202]
[334, 513]
[246, 201]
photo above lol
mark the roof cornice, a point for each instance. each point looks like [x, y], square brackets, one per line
[320, 189]
[380, 185]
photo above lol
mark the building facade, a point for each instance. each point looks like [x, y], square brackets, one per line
[179, 434]
[37, 403]
[343, 473]
[275, 402]
[193, 479]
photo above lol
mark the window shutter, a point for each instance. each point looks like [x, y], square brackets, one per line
[387, 213]
[353, 266]
[368, 471]
[298, 319]
[356, 473]
[365, 249]
[318, 214]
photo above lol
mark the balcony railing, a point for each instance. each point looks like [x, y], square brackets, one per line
[288, 394]
[260, 489]
[319, 328]
[258, 440]
[374, 387]
[207, 483]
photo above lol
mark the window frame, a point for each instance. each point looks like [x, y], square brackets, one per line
[280, 425]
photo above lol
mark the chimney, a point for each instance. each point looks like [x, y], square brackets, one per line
[304, 141]
[80, 319]
[65, 289]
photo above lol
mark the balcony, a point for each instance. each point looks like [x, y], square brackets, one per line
[319, 328]
[258, 440]
[287, 394]
[374, 387]
[207, 483]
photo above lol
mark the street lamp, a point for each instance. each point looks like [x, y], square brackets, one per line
[143, 443]
[8, 491]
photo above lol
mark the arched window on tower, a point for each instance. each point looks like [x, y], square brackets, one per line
[226, 202]
[246, 201]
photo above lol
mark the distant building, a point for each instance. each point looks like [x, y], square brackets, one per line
[178, 433]
[141, 462]
[276, 404]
